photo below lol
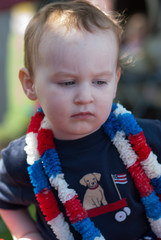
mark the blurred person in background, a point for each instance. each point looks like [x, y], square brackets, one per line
[140, 84]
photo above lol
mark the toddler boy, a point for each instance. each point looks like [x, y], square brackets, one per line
[79, 145]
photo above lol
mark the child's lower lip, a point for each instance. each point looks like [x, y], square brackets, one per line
[82, 115]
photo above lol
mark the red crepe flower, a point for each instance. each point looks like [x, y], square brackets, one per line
[48, 204]
[139, 145]
[35, 122]
[142, 182]
[45, 140]
[74, 210]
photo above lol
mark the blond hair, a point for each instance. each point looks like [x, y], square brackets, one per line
[79, 14]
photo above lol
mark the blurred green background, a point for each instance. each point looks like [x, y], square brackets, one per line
[18, 108]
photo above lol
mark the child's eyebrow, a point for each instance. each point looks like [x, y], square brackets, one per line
[64, 74]
[105, 73]
[70, 74]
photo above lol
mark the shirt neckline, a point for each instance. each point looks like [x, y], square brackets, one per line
[80, 144]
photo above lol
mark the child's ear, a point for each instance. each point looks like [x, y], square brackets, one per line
[27, 84]
[118, 74]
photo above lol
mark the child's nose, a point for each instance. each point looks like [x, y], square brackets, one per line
[84, 95]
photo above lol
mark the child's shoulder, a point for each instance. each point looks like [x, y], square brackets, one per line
[14, 156]
[15, 149]
[150, 126]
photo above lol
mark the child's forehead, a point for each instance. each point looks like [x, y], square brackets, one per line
[63, 36]
[57, 49]
[59, 35]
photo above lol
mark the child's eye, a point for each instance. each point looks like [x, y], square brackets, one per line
[100, 82]
[67, 83]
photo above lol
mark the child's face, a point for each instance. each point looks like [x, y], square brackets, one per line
[76, 81]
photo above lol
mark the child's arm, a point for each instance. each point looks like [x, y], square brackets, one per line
[20, 224]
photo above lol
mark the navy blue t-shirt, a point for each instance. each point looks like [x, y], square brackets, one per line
[92, 167]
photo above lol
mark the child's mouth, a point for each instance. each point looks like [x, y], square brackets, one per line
[83, 115]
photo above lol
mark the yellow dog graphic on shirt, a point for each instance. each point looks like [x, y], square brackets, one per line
[94, 196]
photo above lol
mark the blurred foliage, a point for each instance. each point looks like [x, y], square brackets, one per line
[19, 108]
[4, 233]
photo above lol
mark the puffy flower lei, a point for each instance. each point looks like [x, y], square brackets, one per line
[46, 173]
